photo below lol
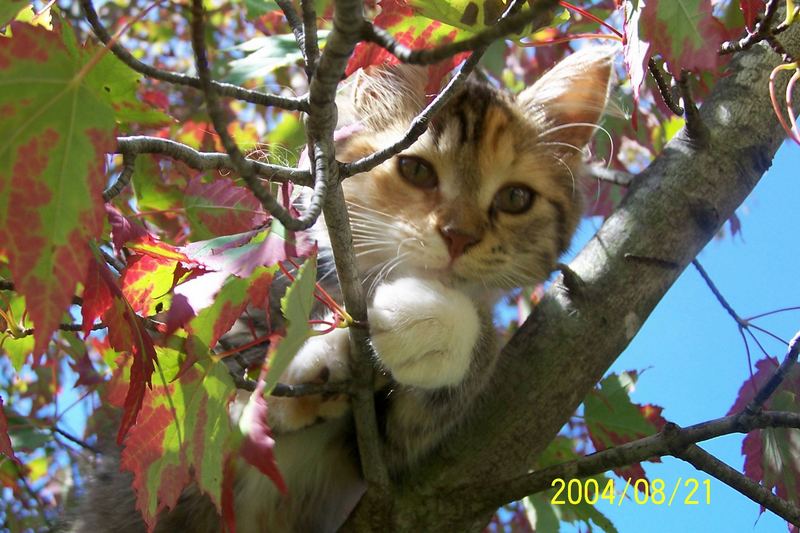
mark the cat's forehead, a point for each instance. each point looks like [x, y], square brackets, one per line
[480, 142]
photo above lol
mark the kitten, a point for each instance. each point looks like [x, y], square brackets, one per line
[485, 201]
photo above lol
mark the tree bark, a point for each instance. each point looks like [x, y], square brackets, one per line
[671, 211]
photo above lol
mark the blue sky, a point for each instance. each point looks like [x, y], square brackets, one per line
[695, 358]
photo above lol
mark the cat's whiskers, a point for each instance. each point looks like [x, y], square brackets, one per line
[566, 145]
[385, 270]
[566, 166]
[596, 127]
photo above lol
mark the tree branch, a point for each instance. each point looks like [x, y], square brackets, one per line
[672, 440]
[128, 165]
[347, 18]
[311, 51]
[504, 27]
[295, 391]
[225, 89]
[240, 164]
[208, 160]
[709, 464]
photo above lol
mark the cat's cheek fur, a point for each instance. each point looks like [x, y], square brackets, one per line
[423, 332]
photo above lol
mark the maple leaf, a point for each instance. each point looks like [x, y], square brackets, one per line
[750, 10]
[684, 32]
[134, 236]
[126, 333]
[612, 419]
[230, 301]
[51, 168]
[771, 455]
[561, 450]
[5, 440]
[96, 297]
[146, 283]
[9, 9]
[257, 444]
[13, 319]
[296, 306]
[221, 208]
[412, 30]
[180, 434]
[241, 254]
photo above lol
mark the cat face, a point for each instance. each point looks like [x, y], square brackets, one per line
[488, 195]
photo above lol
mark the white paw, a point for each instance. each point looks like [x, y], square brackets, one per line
[321, 359]
[423, 332]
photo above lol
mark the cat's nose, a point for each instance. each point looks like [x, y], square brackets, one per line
[457, 240]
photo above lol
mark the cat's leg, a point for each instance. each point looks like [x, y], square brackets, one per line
[322, 359]
[423, 332]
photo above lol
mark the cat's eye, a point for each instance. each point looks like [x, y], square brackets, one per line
[513, 199]
[417, 172]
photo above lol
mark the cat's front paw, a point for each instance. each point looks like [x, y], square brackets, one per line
[322, 359]
[423, 332]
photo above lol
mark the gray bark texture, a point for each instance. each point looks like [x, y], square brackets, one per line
[671, 211]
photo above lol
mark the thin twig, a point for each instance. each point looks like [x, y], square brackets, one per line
[128, 165]
[141, 144]
[295, 24]
[63, 327]
[505, 26]
[348, 17]
[310, 32]
[76, 440]
[761, 32]
[224, 89]
[709, 464]
[721, 299]
[240, 164]
[663, 89]
[284, 390]
[775, 381]
[697, 130]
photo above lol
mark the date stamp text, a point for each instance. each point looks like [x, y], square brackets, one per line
[689, 491]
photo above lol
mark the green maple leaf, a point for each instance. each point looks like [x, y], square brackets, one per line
[56, 132]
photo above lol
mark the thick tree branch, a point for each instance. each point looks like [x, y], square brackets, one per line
[671, 211]
[208, 160]
[224, 89]
[348, 16]
[504, 27]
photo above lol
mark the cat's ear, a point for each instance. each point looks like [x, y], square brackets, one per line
[386, 94]
[569, 99]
